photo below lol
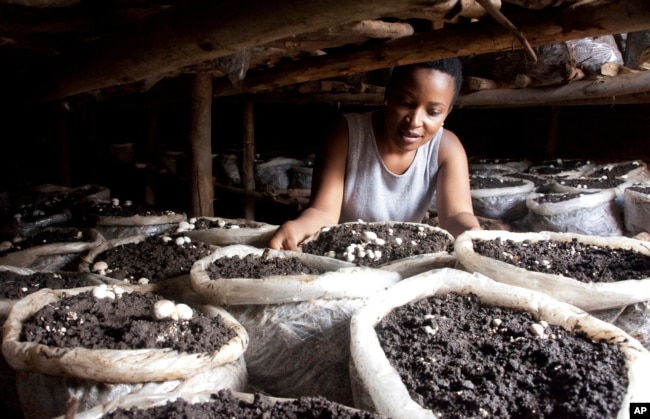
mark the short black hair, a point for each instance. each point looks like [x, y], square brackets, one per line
[451, 66]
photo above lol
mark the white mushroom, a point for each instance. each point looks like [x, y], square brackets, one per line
[180, 241]
[183, 311]
[102, 291]
[163, 309]
[100, 267]
[115, 201]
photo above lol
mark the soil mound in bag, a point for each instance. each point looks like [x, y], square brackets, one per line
[224, 404]
[406, 248]
[15, 284]
[116, 219]
[107, 341]
[50, 248]
[51, 205]
[592, 213]
[240, 274]
[159, 263]
[227, 231]
[636, 209]
[500, 197]
[298, 322]
[561, 168]
[570, 342]
[590, 272]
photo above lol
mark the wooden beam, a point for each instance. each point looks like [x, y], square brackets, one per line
[540, 27]
[189, 33]
[201, 183]
[606, 87]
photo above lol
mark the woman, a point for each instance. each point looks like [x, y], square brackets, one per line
[387, 165]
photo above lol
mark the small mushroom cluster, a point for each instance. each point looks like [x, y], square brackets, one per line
[191, 224]
[360, 250]
[105, 291]
[186, 225]
[167, 309]
[180, 240]
[101, 268]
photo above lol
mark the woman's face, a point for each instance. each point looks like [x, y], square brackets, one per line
[417, 106]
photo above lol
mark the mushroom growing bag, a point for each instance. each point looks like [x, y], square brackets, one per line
[48, 376]
[228, 231]
[506, 203]
[172, 285]
[54, 256]
[378, 386]
[339, 279]
[403, 247]
[636, 209]
[586, 295]
[593, 213]
[298, 324]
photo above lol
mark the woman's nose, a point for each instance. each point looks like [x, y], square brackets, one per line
[414, 118]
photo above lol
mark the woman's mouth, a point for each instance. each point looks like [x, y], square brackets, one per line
[409, 136]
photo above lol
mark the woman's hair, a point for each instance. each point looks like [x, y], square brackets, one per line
[451, 66]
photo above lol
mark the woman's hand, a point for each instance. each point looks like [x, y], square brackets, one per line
[287, 237]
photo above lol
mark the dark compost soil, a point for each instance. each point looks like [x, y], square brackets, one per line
[125, 322]
[480, 182]
[15, 286]
[640, 189]
[583, 262]
[46, 236]
[255, 266]
[615, 170]
[397, 241]
[559, 197]
[205, 224]
[155, 258]
[592, 183]
[461, 358]
[225, 406]
[117, 208]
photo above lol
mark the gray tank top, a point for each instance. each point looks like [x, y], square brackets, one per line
[372, 192]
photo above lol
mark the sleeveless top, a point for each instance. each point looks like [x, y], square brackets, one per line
[372, 192]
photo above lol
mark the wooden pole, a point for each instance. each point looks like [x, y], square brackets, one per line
[248, 160]
[63, 143]
[152, 145]
[202, 185]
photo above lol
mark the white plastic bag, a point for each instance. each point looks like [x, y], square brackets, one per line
[377, 385]
[588, 296]
[339, 280]
[636, 210]
[98, 375]
[593, 213]
[234, 231]
[507, 203]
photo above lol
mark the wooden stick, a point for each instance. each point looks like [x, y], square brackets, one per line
[248, 163]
